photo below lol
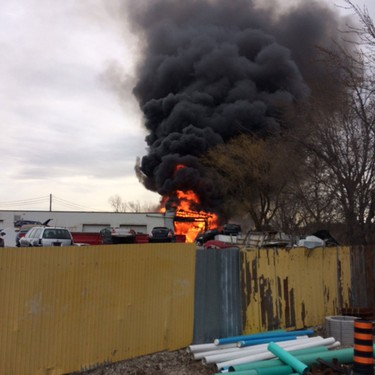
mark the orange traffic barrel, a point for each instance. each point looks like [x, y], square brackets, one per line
[363, 359]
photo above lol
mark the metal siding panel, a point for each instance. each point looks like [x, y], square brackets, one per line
[267, 288]
[231, 324]
[68, 308]
[307, 280]
[250, 291]
[363, 270]
[330, 277]
[345, 276]
[293, 288]
[207, 297]
[285, 291]
[217, 311]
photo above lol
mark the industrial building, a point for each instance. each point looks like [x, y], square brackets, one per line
[79, 221]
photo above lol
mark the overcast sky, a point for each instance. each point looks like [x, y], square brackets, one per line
[64, 130]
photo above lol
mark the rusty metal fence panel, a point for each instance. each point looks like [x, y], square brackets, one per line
[293, 288]
[363, 280]
[63, 309]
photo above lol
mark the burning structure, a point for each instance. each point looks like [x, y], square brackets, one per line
[188, 219]
[211, 70]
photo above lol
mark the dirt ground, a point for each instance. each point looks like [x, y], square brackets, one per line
[177, 362]
[164, 363]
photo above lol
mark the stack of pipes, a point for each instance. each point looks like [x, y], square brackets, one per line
[258, 354]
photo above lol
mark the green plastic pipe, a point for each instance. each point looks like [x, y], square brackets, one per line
[315, 349]
[277, 362]
[277, 370]
[280, 370]
[342, 355]
[288, 358]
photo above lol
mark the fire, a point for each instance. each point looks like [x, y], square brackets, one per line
[189, 222]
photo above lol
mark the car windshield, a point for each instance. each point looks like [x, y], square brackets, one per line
[61, 234]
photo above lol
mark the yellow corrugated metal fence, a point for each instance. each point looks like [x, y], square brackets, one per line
[294, 288]
[67, 308]
[64, 309]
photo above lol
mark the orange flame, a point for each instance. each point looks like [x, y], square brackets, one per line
[188, 222]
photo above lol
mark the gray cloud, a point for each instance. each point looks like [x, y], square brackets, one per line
[60, 122]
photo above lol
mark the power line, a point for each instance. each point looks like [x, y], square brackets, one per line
[69, 204]
[23, 202]
[46, 200]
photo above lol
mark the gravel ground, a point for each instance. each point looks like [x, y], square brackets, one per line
[178, 362]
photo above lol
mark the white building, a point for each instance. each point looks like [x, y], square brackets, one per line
[85, 221]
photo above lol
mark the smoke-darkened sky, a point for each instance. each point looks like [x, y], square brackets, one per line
[67, 132]
[211, 70]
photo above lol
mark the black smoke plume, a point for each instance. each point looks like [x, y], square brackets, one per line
[210, 70]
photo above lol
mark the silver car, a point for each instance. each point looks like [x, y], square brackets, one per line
[47, 236]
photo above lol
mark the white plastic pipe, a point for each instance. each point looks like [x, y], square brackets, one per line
[227, 348]
[242, 344]
[336, 344]
[207, 347]
[200, 355]
[221, 349]
[269, 355]
[214, 357]
[196, 348]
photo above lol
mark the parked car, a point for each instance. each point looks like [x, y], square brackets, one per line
[116, 235]
[162, 234]
[25, 228]
[47, 236]
[231, 229]
[20, 223]
[208, 235]
[2, 242]
[22, 232]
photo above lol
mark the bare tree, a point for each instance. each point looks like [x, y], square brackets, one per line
[308, 201]
[252, 173]
[336, 129]
[131, 206]
[364, 31]
[340, 135]
[117, 204]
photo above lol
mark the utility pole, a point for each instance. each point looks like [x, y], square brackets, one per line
[50, 202]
